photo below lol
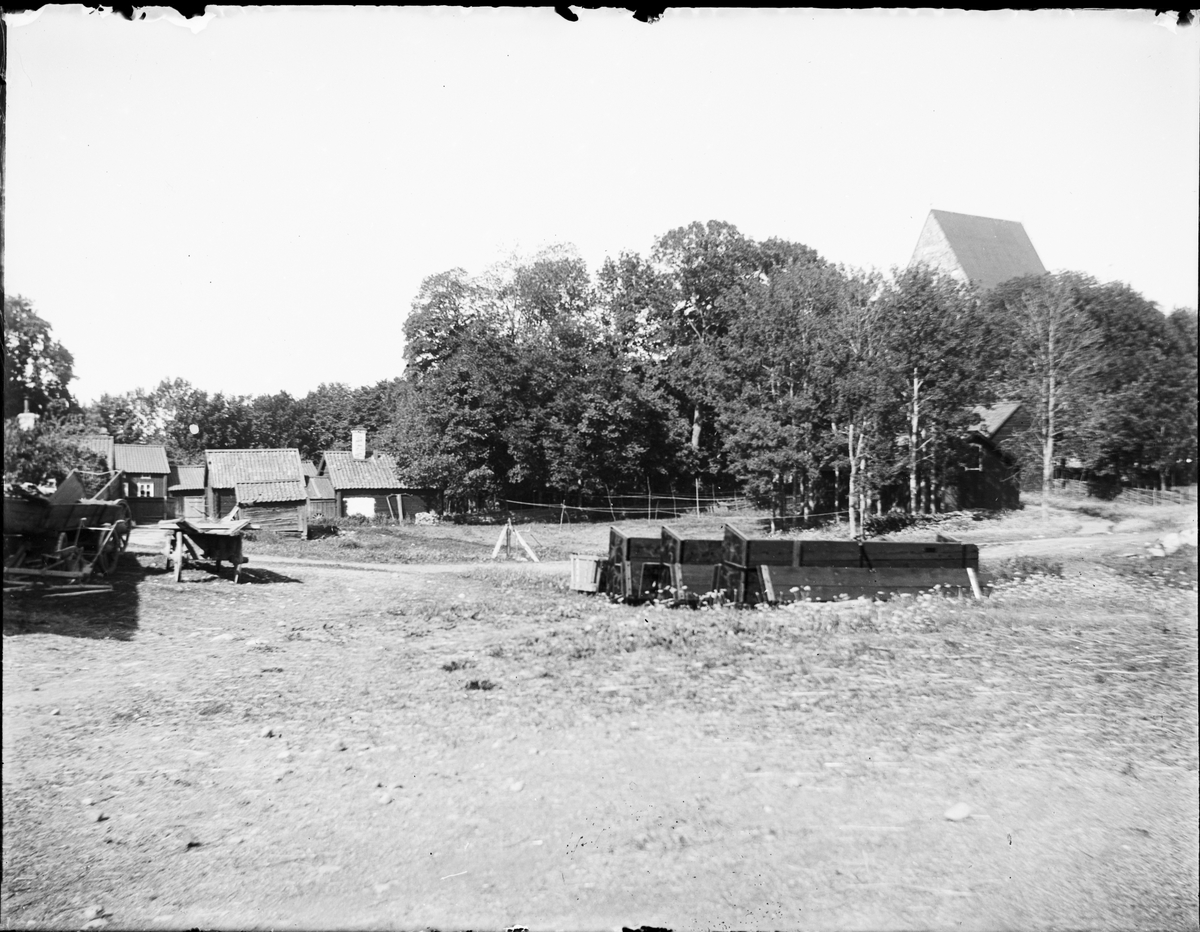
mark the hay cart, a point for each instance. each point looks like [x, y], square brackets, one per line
[65, 539]
[189, 542]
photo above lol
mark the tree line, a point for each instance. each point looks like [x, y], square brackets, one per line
[715, 359]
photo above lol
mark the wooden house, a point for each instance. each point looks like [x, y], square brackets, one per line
[368, 486]
[976, 249]
[146, 477]
[187, 491]
[270, 480]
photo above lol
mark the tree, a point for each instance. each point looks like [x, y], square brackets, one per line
[49, 450]
[1055, 354]
[935, 338]
[37, 367]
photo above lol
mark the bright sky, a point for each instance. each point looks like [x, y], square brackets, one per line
[250, 202]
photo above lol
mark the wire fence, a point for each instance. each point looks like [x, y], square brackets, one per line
[1078, 488]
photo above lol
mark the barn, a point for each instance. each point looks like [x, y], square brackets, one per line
[281, 469]
[363, 485]
[976, 249]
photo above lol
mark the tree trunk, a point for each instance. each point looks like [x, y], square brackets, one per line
[1048, 451]
[696, 428]
[851, 499]
[913, 458]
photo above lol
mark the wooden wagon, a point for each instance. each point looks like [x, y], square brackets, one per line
[189, 542]
[66, 538]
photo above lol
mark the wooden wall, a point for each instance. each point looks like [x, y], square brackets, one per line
[287, 518]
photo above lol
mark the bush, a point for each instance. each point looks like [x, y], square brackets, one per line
[43, 452]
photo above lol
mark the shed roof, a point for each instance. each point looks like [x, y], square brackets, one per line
[993, 417]
[310, 468]
[320, 487]
[988, 251]
[378, 472]
[98, 443]
[259, 493]
[226, 468]
[186, 479]
[141, 458]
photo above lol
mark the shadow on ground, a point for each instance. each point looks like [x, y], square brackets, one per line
[99, 614]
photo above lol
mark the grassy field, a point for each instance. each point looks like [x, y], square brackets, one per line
[322, 747]
[453, 543]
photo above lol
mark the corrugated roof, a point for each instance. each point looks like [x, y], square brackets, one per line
[98, 443]
[992, 418]
[310, 468]
[377, 472]
[141, 458]
[259, 493]
[226, 468]
[989, 251]
[186, 479]
[320, 487]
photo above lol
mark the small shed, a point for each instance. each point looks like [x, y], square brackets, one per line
[227, 468]
[322, 503]
[276, 505]
[147, 475]
[367, 486]
[187, 491]
[991, 480]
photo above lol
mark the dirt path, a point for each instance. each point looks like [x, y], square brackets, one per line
[466, 751]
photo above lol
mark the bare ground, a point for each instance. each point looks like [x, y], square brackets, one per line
[480, 748]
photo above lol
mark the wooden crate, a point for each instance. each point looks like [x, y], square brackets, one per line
[694, 565]
[830, 583]
[627, 557]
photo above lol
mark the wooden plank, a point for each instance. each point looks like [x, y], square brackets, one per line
[828, 583]
[701, 552]
[734, 545]
[645, 549]
[770, 552]
[830, 553]
[693, 580]
[915, 554]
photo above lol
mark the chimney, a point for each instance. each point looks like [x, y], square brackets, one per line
[358, 443]
[27, 418]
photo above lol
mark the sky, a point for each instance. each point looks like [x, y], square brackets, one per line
[250, 200]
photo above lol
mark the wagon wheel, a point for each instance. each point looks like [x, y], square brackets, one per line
[111, 548]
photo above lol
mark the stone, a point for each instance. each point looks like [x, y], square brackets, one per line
[958, 812]
[516, 786]
[99, 817]
[267, 733]
[337, 745]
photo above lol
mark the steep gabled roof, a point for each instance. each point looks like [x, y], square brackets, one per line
[310, 468]
[980, 249]
[186, 479]
[258, 493]
[320, 487]
[993, 417]
[226, 468]
[347, 473]
[141, 458]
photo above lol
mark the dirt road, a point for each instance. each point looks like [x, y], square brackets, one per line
[474, 747]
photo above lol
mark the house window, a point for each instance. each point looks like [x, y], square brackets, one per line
[145, 487]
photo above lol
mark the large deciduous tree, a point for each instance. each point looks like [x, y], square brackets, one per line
[37, 368]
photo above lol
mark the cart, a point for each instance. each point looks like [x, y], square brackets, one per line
[189, 542]
[64, 539]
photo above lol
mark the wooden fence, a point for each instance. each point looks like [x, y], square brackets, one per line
[1077, 488]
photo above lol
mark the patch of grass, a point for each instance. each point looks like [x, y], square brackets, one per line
[453, 665]
[485, 685]
[1018, 568]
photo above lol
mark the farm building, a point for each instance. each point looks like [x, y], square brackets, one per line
[277, 505]
[146, 473]
[310, 468]
[146, 470]
[992, 480]
[187, 490]
[283, 493]
[977, 249]
[368, 485]
[321, 500]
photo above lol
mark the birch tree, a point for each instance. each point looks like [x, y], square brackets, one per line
[1055, 352]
